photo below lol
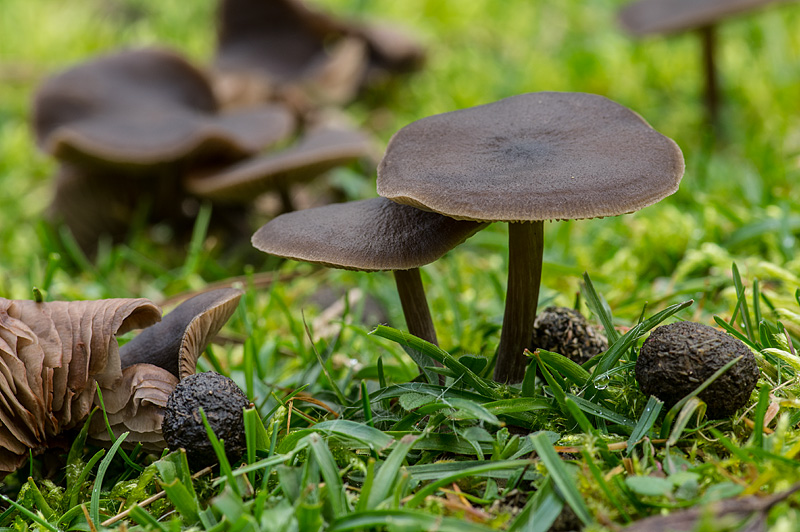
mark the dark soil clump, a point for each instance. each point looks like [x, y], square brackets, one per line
[565, 331]
[678, 357]
[223, 403]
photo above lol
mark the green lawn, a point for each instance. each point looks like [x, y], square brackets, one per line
[738, 203]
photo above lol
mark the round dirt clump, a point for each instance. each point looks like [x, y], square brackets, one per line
[565, 331]
[679, 357]
[223, 403]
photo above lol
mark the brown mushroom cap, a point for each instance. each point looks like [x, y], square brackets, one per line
[283, 38]
[179, 339]
[669, 16]
[315, 154]
[284, 43]
[537, 156]
[145, 107]
[369, 235]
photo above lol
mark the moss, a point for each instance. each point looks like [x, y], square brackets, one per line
[678, 357]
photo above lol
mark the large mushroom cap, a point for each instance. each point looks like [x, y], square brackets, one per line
[669, 16]
[315, 154]
[370, 235]
[143, 107]
[179, 339]
[536, 156]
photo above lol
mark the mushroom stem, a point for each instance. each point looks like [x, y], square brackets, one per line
[525, 245]
[707, 34]
[415, 308]
[415, 304]
[285, 195]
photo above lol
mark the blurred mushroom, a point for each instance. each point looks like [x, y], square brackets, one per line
[645, 17]
[370, 235]
[55, 355]
[317, 152]
[126, 126]
[523, 160]
[144, 108]
[283, 49]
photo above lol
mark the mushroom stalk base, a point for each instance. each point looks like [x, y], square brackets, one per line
[525, 245]
[415, 304]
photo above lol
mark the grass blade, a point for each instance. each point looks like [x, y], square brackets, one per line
[94, 505]
[599, 306]
[477, 383]
[404, 520]
[419, 497]
[561, 477]
[30, 515]
[645, 423]
[330, 472]
[385, 478]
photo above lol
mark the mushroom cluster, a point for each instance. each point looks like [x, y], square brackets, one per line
[54, 356]
[522, 160]
[143, 133]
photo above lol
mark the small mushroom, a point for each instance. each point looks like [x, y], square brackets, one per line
[523, 160]
[677, 358]
[645, 17]
[176, 343]
[284, 49]
[370, 235]
[141, 108]
[223, 403]
[157, 359]
[317, 152]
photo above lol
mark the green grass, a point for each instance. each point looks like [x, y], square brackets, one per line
[352, 463]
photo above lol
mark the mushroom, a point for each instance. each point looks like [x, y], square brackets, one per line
[176, 343]
[523, 160]
[678, 357]
[126, 126]
[320, 150]
[54, 356]
[140, 108]
[645, 17]
[370, 235]
[282, 48]
[157, 359]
